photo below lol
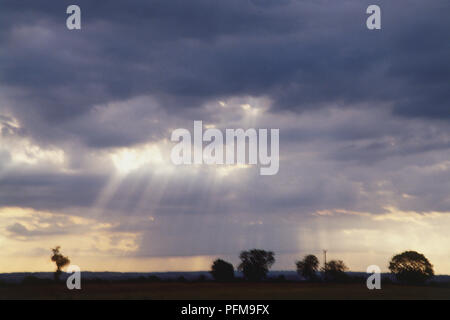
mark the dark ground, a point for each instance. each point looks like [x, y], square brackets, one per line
[213, 290]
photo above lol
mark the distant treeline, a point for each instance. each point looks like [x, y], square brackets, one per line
[409, 267]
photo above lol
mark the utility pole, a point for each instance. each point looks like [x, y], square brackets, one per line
[325, 258]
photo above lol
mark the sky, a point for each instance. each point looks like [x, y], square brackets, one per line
[86, 118]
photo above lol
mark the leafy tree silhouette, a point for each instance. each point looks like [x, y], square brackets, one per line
[60, 261]
[222, 270]
[256, 263]
[335, 271]
[308, 267]
[411, 267]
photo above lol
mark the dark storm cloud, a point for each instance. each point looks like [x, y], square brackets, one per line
[301, 54]
[162, 48]
[43, 189]
[359, 112]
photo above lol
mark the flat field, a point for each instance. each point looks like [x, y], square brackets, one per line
[213, 290]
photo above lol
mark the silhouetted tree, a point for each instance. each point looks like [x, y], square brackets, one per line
[411, 267]
[308, 267]
[256, 263]
[60, 261]
[222, 270]
[335, 271]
